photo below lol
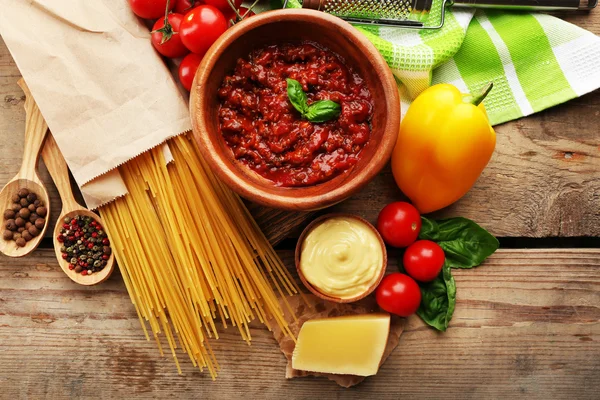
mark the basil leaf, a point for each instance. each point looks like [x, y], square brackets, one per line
[323, 110]
[297, 96]
[465, 243]
[277, 4]
[438, 299]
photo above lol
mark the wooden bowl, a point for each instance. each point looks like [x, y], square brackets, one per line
[288, 26]
[315, 290]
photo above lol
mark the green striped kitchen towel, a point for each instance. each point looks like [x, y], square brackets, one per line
[535, 60]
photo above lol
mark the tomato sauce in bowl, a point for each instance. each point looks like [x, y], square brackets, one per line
[265, 132]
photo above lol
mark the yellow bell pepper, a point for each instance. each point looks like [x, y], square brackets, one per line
[445, 142]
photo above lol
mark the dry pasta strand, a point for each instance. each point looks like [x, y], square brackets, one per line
[189, 252]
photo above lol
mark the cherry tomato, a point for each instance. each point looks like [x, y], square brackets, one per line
[399, 224]
[201, 27]
[187, 69]
[150, 9]
[398, 294]
[223, 5]
[172, 47]
[183, 6]
[423, 260]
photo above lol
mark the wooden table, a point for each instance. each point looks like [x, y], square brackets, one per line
[527, 322]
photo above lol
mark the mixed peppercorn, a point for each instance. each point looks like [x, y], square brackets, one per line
[26, 217]
[85, 244]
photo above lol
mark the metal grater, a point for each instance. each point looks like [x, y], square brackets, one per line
[427, 14]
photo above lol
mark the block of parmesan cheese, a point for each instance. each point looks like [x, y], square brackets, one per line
[342, 345]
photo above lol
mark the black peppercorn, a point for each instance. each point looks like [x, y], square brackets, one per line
[31, 197]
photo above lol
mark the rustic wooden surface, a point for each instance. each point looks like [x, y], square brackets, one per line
[543, 180]
[527, 322]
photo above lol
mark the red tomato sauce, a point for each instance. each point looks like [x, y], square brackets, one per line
[264, 130]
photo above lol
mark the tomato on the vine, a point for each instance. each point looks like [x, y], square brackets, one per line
[232, 16]
[201, 27]
[183, 6]
[187, 69]
[223, 5]
[166, 40]
[150, 9]
[399, 224]
[423, 260]
[398, 294]
[245, 12]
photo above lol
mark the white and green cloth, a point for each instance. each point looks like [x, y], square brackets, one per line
[535, 60]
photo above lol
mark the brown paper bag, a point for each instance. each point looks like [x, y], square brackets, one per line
[106, 94]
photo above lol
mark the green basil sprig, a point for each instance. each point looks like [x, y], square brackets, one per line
[466, 245]
[319, 111]
[438, 299]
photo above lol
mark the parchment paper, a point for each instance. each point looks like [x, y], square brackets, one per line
[106, 94]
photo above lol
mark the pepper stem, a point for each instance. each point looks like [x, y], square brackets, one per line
[476, 100]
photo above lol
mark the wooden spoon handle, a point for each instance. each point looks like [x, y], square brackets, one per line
[57, 166]
[35, 133]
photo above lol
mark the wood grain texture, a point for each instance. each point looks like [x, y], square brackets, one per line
[27, 177]
[12, 130]
[526, 323]
[544, 179]
[59, 171]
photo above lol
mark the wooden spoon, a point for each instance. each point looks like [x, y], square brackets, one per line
[57, 166]
[27, 177]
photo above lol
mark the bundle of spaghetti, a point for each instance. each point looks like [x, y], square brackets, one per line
[189, 252]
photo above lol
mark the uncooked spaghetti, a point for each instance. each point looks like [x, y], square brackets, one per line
[189, 252]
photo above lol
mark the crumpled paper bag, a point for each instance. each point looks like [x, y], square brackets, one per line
[105, 93]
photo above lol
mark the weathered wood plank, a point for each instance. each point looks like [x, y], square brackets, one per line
[12, 131]
[544, 179]
[526, 323]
